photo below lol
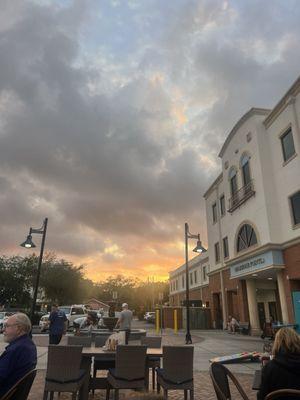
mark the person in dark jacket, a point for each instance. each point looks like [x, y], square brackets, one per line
[58, 325]
[20, 356]
[283, 371]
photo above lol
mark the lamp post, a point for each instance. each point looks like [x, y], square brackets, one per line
[28, 244]
[198, 249]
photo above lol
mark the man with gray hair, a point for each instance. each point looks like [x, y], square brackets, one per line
[19, 357]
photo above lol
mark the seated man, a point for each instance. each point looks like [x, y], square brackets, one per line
[20, 356]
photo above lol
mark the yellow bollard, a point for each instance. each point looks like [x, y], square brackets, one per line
[175, 322]
[157, 324]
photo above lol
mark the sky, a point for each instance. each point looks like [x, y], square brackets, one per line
[112, 115]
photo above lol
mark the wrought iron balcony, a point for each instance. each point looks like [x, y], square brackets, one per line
[242, 195]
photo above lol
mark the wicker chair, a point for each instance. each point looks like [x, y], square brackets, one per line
[102, 363]
[84, 341]
[21, 389]
[219, 376]
[152, 362]
[130, 371]
[283, 393]
[177, 371]
[63, 370]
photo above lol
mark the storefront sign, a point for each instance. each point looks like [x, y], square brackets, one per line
[257, 263]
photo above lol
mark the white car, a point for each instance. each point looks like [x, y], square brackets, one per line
[3, 318]
[73, 312]
[44, 323]
[150, 316]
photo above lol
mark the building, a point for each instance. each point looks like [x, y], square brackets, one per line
[198, 282]
[253, 219]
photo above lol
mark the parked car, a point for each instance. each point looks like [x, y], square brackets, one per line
[150, 316]
[3, 318]
[73, 312]
[44, 323]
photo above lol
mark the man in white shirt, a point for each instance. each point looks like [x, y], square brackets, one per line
[124, 322]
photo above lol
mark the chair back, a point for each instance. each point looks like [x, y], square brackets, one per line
[131, 362]
[63, 363]
[153, 342]
[283, 393]
[85, 341]
[100, 340]
[219, 376]
[21, 389]
[178, 363]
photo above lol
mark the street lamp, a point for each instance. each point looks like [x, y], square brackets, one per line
[198, 249]
[28, 244]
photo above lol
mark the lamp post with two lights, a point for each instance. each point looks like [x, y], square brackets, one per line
[28, 244]
[198, 249]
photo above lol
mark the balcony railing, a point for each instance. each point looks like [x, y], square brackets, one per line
[242, 195]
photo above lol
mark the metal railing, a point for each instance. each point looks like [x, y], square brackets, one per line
[242, 195]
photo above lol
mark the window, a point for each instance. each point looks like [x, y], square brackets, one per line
[182, 281]
[217, 252]
[225, 247]
[246, 237]
[191, 278]
[295, 204]
[245, 169]
[176, 284]
[222, 205]
[287, 143]
[214, 212]
[195, 276]
[204, 273]
[233, 181]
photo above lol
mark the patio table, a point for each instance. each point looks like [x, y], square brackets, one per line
[101, 383]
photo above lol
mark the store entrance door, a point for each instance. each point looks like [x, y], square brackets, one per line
[261, 314]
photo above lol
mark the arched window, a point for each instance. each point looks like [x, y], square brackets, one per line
[233, 181]
[245, 164]
[246, 237]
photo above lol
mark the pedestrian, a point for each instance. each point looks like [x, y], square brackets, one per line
[20, 356]
[124, 322]
[232, 324]
[57, 325]
[283, 371]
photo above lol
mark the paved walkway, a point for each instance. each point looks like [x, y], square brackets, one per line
[207, 344]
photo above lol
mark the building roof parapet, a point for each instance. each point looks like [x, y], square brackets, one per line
[194, 262]
[215, 183]
[241, 121]
[283, 103]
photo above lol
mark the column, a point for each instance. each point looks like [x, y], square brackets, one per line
[252, 305]
[282, 297]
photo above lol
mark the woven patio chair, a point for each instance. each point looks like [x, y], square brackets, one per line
[130, 370]
[152, 361]
[283, 394]
[63, 370]
[102, 363]
[21, 389]
[177, 371]
[219, 375]
[84, 341]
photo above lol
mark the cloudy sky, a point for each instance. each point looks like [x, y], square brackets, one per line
[112, 114]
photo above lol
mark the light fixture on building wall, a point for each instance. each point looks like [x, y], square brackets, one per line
[198, 249]
[28, 244]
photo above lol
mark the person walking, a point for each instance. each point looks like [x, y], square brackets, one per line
[124, 322]
[58, 325]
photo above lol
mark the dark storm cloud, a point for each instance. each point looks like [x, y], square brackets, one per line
[99, 142]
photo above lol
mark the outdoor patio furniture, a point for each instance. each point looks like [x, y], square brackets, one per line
[283, 393]
[63, 370]
[219, 375]
[177, 371]
[152, 361]
[102, 363]
[21, 389]
[85, 341]
[130, 370]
